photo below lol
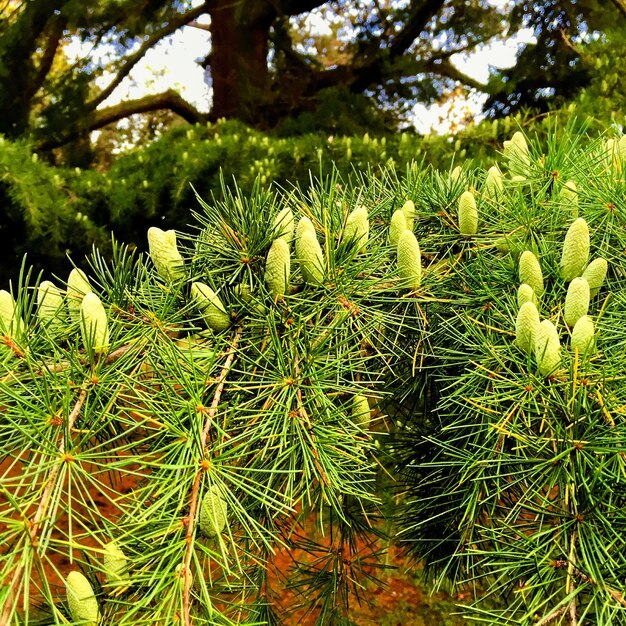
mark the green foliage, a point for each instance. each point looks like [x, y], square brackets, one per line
[40, 212]
[122, 441]
[508, 449]
[515, 471]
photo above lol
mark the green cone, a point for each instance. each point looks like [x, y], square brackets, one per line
[530, 272]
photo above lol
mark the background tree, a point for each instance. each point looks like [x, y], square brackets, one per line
[554, 70]
[264, 64]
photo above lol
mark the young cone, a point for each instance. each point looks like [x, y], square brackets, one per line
[357, 227]
[575, 250]
[468, 214]
[77, 288]
[360, 412]
[82, 600]
[94, 325]
[576, 301]
[284, 224]
[213, 512]
[164, 253]
[408, 208]
[594, 274]
[213, 311]
[50, 303]
[310, 256]
[583, 336]
[526, 325]
[516, 151]
[397, 227]
[530, 272]
[114, 563]
[304, 225]
[10, 323]
[525, 293]
[278, 267]
[409, 260]
[547, 348]
[493, 183]
[456, 174]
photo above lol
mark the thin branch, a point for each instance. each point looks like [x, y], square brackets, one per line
[169, 100]
[621, 6]
[570, 585]
[447, 70]
[195, 490]
[446, 54]
[414, 26]
[359, 76]
[552, 616]
[55, 368]
[199, 26]
[43, 505]
[305, 416]
[49, 53]
[172, 26]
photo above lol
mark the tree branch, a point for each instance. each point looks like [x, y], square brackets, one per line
[132, 60]
[58, 24]
[195, 490]
[199, 26]
[296, 7]
[416, 23]
[359, 76]
[621, 6]
[169, 100]
[447, 70]
[33, 526]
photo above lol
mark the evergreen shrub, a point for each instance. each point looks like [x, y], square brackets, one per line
[197, 412]
[189, 423]
[513, 472]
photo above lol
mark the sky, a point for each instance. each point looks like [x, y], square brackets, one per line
[172, 64]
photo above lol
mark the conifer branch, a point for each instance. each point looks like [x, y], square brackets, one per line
[33, 525]
[195, 490]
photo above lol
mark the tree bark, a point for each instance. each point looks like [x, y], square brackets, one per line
[17, 70]
[238, 60]
[621, 6]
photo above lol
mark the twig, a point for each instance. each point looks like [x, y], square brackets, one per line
[303, 412]
[193, 504]
[569, 587]
[41, 509]
[550, 618]
[64, 365]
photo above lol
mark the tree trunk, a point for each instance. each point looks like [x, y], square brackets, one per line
[17, 69]
[239, 47]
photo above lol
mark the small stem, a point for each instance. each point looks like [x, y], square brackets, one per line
[305, 416]
[195, 490]
[41, 509]
[552, 616]
[55, 368]
[569, 587]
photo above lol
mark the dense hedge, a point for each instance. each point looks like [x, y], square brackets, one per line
[48, 211]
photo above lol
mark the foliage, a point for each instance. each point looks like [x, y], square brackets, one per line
[41, 214]
[514, 477]
[112, 440]
[153, 185]
[511, 476]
